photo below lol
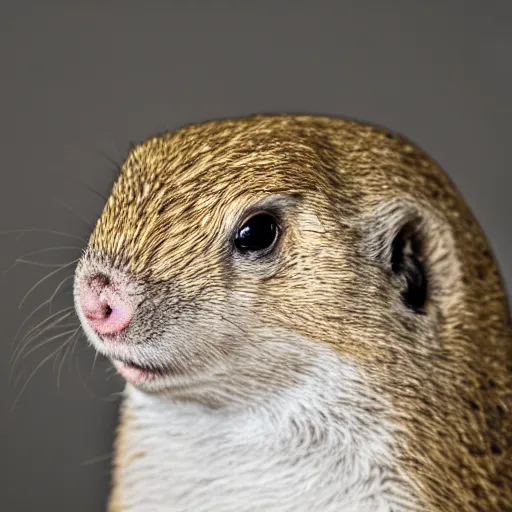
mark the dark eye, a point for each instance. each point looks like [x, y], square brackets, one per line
[257, 233]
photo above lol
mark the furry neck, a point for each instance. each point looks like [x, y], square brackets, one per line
[322, 445]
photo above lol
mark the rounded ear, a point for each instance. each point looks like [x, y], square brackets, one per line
[417, 249]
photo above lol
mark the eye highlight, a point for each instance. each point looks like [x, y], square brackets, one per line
[257, 233]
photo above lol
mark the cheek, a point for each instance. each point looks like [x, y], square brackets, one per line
[204, 338]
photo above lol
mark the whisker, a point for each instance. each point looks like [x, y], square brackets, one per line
[49, 340]
[34, 331]
[99, 458]
[28, 319]
[36, 230]
[75, 343]
[34, 372]
[48, 249]
[83, 219]
[70, 345]
[82, 379]
[27, 338]
[111, 372]
[99, 194]
[38, 263]
[23, 258]
[79, 180]
[117, 165]
[94, 361]
[34, 336]
[44, 279]
[65, 311]
[233, 324]
[114, 396]
[54, 294]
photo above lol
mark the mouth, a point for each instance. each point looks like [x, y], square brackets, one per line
[137, 374]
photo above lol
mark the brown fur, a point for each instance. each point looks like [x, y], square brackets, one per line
[448, 374]
[115, 503]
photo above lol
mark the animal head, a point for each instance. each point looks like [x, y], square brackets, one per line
[231, 253]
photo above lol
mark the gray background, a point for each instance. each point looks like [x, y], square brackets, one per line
[79, 81]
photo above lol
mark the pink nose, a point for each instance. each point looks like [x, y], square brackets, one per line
[106, 307]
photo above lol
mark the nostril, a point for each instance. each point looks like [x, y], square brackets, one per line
[102, 311]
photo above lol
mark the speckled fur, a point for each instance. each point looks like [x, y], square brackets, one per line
[437, 386]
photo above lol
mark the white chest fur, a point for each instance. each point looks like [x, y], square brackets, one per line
[314, 448]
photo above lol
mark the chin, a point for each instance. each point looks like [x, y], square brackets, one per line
[172, 381]
[141, 376]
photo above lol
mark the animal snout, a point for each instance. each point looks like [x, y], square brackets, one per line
[106, 306]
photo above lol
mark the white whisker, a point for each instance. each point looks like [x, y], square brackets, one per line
[48, 340]
[34, 372]
[33, 333]
[36, 230]
[44, 279]
[66, 352]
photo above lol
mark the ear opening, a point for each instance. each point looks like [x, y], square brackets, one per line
[408, 265]
[416, 248]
